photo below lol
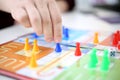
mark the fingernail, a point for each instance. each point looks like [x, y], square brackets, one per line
[40, 33]
[50, 40]
[58, 40]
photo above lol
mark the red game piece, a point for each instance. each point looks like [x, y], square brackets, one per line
[118, 35]
[78, 52]
[115, 40]
[118, 46]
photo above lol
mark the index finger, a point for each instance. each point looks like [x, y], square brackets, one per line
[56, 20]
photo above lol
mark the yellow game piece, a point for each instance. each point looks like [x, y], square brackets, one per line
[35, 46]
[33, 63]
[27, 46]
[96, 40]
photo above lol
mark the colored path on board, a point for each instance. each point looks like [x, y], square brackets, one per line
[12, 54]
[71, 36]
[82, 72]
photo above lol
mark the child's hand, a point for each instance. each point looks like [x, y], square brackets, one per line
[42, 15]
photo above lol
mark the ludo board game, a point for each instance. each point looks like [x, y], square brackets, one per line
[82, 55]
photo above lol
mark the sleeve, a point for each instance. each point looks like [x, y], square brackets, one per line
[71, 4]
[5, 19]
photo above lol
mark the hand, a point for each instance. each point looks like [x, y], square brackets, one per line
[43, 15]
[63, 5]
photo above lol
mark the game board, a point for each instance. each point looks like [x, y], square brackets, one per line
[85, 37]
[14, 61]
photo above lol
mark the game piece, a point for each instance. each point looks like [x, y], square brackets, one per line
[91, 64]
[35, 35]
[66, 33]
[115, 40]
[118, 35]
[118, 46]
[105, 62]
[27, 46]
[33, 63]
[96, 40]
[58, 47]
[77, 51]
[63, 30]
[93, 58]
[106, 52]
[35, 46]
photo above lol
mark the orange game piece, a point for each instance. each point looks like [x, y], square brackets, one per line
[78, 52]
[33, 63]
[96, 40]
[35, 46]
[27, 46]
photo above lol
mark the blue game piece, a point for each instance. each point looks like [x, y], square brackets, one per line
[58, 48]
[63, 28]
[66, 33]
[34, 35]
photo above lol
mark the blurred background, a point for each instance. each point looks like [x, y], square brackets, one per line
[85, 5]
[106, 4]
[107, 10]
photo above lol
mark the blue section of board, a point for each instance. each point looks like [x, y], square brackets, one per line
[74, 34]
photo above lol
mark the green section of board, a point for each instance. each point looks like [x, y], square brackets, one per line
[80, 70]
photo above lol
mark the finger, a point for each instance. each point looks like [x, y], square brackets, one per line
[34, 17]
[56, 20]
[46, 21]
[21, 16]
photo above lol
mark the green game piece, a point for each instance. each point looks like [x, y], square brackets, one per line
[106, 52]
[105, 61]
[93, 58]
[94, 50]
[91, 64]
